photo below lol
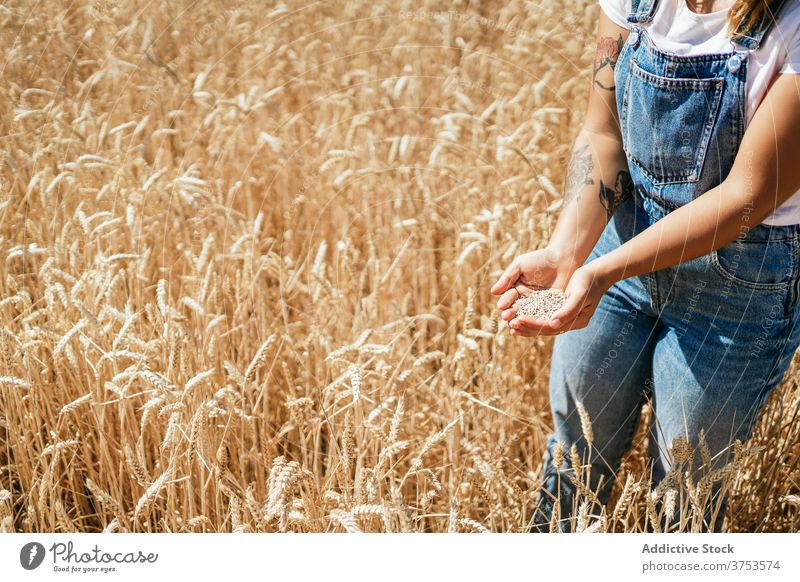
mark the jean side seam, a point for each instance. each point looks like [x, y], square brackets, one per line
[771, 381]
[794, 286]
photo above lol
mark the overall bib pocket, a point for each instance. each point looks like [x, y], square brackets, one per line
[667, 123]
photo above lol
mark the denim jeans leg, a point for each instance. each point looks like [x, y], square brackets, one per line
[715, 372]
[606, 367]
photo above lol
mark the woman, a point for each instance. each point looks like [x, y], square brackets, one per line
[678, 245]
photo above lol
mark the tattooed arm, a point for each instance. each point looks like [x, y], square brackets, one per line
[597, 179]
[611, 197]
[596, 182]
[605, 58]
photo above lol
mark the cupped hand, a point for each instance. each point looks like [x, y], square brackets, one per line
[540, 269]
[585, 289]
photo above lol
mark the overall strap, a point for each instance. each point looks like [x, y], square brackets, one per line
[752, 37]
[642, 10]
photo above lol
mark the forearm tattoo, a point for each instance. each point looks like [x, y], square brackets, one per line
[579, 173]
[606, 55]
[611, 198]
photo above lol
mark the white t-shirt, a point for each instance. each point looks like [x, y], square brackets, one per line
[676, 29]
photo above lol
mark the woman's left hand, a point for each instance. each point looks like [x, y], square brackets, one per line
[584, 291]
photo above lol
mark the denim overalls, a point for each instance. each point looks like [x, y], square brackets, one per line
[706, 340]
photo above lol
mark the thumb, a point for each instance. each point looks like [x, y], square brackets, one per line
[576, 299]
[509, 276]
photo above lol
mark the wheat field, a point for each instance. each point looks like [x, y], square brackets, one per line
[247, 252]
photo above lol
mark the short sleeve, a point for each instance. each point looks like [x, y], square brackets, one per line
[792, 62]
[617, 11]
[788, 25]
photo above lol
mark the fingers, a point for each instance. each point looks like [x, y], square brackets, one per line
[579, 321]
[508, 298]
[530, 325]
[508, 278]
[571, 310]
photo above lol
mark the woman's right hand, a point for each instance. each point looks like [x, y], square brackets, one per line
[540, 269]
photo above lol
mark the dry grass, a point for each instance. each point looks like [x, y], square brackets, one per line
[247, 254]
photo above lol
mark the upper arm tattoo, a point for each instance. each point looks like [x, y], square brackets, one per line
[612, 197]
[579, 173]
[606, 55]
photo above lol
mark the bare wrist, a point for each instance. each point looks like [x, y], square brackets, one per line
[606, 270]
[565, 259]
